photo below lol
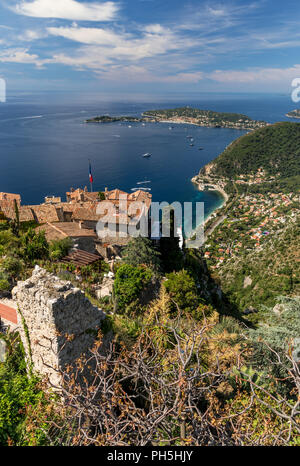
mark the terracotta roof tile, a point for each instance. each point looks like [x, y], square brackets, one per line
[61, 230]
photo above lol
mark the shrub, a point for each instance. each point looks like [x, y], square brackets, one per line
[34, 246]
[60, 248]
[129, 283]
[140, 251]
[4, 284]
[183, 291]
[18, 393]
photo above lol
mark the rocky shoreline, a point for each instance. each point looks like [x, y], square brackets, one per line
[204, 186]
[211, 186]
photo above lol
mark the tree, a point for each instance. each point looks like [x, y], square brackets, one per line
[141, 251]
[8, 242]
[34, 246]
[129, 283]
[183, 291]
[60, 248]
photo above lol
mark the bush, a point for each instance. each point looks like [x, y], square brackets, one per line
[11, 266]
[60, 248]
[34, 246]
[18, 393]
[129, 283]
[4, 284]
[140, 251]
[183, 291]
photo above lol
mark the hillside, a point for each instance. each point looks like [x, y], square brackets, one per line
[294, 114]
[253, 241]
[204, 118]
[267, 155]
[110, 119]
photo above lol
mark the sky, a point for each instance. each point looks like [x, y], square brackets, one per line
[150, 46]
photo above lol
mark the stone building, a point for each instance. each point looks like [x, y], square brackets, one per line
[57, 323]
[10, 197]
[82, 238]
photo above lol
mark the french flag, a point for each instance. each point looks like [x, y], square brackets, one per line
[90, 173]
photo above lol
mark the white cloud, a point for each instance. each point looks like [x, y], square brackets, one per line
[135, 73]
[20, 56]
[256, 75]
[217, 12]
[106, 43]
[91, 36]
[68, 9]
[31, 35]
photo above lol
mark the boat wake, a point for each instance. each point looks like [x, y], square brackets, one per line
[30, 117]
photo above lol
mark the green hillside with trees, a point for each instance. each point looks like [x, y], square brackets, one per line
[275, 148]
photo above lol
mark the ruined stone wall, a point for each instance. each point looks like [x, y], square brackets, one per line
[57, 322]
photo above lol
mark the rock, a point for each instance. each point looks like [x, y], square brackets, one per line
[105, 289]
[60, 322]
[278, 309]
[2, 350]
[247, 282]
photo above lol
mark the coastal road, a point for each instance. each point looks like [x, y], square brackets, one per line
[214, 226]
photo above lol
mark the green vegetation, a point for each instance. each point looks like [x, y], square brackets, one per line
[20, 394]
[256, 276]
[205, 117]
[294, 114]
[182, 289]
[141, 251]
[101, 196]
[60, 248]
[279, 328]
[274, 149]
[129, 283]
[34, 246]
[109, 119]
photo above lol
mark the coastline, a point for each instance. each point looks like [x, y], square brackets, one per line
[212, 187]
[292, 116]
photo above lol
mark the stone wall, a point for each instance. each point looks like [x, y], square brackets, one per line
[57, 322]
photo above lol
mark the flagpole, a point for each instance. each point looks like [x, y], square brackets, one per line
[90, 176]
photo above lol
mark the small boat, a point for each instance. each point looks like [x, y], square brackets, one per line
[147, 154]
[201, 148]
[192, 145]
[143, 182]
[129, 126]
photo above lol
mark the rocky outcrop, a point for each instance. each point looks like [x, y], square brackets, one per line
[58, 323]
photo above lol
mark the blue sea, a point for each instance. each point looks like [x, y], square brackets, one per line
[45, 144]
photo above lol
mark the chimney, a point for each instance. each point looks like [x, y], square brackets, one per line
[80, 224]
[106, 190]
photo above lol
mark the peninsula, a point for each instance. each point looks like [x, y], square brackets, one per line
[206, 118]
[187, 115]
[110, 119]
[294, 113]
